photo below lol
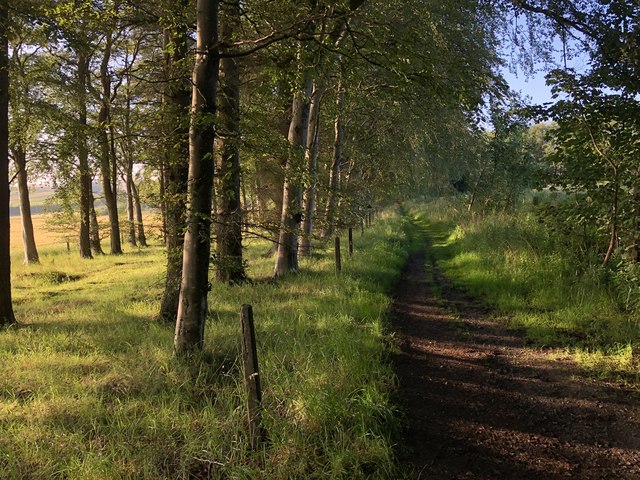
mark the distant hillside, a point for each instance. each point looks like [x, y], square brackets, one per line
[39, 194]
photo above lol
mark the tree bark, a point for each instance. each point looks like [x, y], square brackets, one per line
[287, 255]
[94, 230]
[28, 237]
[192, 307]
[163, 200]
[229, 262]
[311, 156]
[86, 195]
[175, 172]
[7, 316]
[127, 157]
[142, 238]
[338, 156]
[130, 207]
[106, 162]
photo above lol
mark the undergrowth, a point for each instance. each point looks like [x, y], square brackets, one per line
[89, 388]
[559, 297]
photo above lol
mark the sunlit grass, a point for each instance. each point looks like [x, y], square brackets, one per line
[537, 284]
[89, 387]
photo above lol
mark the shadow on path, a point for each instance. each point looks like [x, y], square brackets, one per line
[480, 404]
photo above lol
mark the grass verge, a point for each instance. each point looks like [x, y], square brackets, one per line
[89, 388]
[537, 284]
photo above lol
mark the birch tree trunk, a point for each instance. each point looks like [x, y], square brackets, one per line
[192, 306]
[7, 316]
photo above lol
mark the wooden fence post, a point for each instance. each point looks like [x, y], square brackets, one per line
[338, 258]
[350, 242]
[251, 376]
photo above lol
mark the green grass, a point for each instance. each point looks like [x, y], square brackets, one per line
[537, 284]
[89, 388]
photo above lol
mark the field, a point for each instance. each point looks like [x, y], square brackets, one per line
[89, 387]
[45, 238]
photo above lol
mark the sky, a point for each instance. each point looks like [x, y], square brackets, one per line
[532, 86]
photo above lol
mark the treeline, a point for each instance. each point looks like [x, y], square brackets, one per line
[586, 147]
[288, 120]
[279, 119]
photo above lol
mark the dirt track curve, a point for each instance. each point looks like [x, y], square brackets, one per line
[480, 404]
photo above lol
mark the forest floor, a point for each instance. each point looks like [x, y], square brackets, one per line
[482, 404]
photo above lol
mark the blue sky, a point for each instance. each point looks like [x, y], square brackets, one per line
[533, 86]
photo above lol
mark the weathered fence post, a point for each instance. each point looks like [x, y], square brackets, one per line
[338, 258]
[251, 376]
[350, 241]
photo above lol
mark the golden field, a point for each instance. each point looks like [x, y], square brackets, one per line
[44, 237]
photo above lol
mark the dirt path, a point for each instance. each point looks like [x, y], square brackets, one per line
[482, 405]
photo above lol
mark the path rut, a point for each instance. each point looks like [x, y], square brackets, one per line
[481, 404]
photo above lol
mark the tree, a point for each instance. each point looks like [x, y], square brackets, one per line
[24, 126]
[108, 163]
[509, 159]
[228, 261]
[175, 167]
[312, 152]
[193, 306]
[596, 141]
[287, 253]
[331, 210]
[86, 194]
[7, 316]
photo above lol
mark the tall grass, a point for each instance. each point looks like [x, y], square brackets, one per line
[537, 283]
[89, 388]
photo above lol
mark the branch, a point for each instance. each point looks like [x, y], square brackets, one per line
[558, 18]
[598, 149]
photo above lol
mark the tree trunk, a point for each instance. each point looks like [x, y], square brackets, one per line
[7, 316]
[104, 118]
[192, 307]
[287, 255]
[229, 263]
[127, 158]
[344, 217]
[142, 238]
[175, 162]
[130, 207]
[86, 195]
[634, 249]
[338, 154]
[613, 221]
[28, 237]
[163, 200]
[94, 230]
[311, 156]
